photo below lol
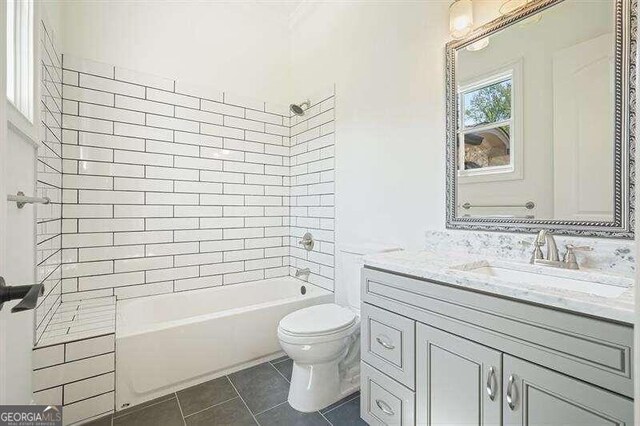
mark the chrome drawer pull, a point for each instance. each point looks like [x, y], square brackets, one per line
[384, 344]
[384, 407]
[491, 383]
[512, 393]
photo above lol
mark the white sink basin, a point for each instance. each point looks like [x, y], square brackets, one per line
[591, 283]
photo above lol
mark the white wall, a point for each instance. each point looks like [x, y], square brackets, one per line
[50, 13]
[241, 48]
[387, 61]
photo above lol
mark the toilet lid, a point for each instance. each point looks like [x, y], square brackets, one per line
[318, 319]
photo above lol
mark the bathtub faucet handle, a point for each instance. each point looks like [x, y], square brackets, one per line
[307, 241]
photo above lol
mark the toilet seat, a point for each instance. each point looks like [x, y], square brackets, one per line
[317, 323]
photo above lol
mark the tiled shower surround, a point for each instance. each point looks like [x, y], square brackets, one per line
[157, 187]
[170, 187]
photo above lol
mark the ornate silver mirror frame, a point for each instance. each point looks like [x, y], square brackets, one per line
[622, 225]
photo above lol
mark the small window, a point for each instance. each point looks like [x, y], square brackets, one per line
[20, 55]
[486, 123]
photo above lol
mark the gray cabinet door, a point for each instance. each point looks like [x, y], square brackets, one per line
[537, 396]
[458, 382]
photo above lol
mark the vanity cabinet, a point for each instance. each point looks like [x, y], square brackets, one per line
[456, 356]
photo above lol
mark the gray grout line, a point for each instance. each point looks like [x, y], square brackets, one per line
[133, 410]
[283, 376]
[326, 419]
[180, 408]
[277, 405]
[338, 406]
[274, 362]
[243, 401]
[269, 409]
[274, 367]
[211, 406]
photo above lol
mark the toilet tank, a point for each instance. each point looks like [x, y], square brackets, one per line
[349, 263]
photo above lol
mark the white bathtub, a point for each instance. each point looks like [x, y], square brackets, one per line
[172, 341]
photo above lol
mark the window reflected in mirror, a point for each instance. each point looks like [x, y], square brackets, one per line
[486, 118]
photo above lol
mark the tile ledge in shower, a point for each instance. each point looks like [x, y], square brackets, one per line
[79, 320]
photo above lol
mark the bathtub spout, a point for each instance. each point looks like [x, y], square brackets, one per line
[301, 272]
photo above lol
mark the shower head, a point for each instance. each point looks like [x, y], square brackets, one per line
[299, 109]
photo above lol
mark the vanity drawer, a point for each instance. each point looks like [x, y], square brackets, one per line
[594, 350]
[384, 401]
[388, 343]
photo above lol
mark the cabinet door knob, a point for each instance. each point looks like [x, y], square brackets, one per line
[512, 393]
[384, 407]
[384, 344]
[491, 383]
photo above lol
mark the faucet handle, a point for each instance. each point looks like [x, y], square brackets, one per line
[570, 256]
[307, 241]
[538, 242]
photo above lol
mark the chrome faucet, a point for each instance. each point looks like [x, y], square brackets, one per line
[303, 271]
[568, 261]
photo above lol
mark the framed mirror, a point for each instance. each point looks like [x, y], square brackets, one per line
[541, 120]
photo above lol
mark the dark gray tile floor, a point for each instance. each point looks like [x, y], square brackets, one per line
[254, 396]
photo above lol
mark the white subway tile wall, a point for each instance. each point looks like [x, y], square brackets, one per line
[170, 187]
[49, 182]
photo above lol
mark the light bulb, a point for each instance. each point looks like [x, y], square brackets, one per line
[460, 18]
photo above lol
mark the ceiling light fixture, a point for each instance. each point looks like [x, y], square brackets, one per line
[460, 18]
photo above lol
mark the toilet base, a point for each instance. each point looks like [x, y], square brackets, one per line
[317, 386]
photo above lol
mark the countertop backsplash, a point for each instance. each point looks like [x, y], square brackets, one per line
[608, 255]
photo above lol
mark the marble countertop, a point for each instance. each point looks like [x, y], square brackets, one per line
[452, 269]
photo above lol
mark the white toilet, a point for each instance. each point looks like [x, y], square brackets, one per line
[324, 340]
